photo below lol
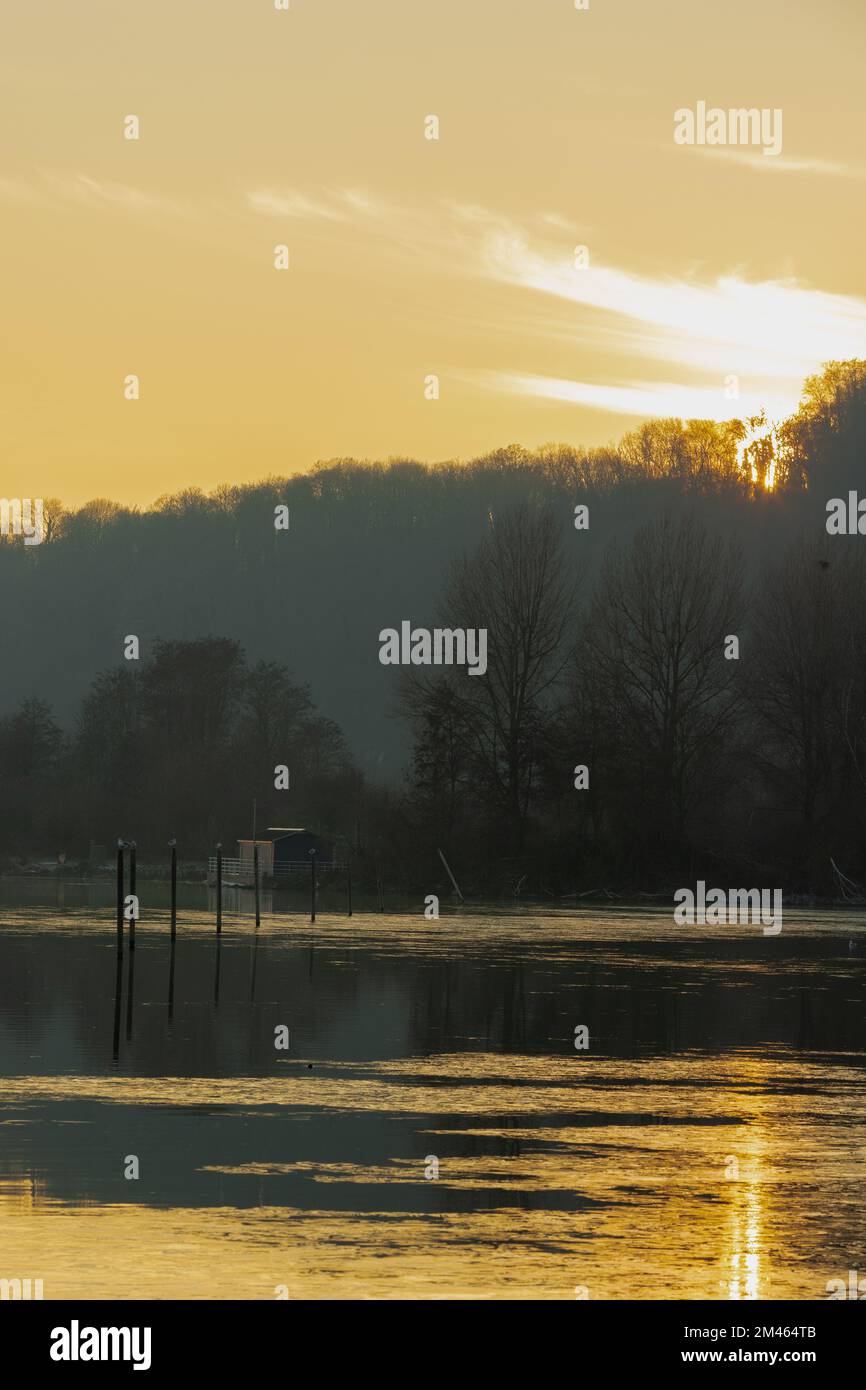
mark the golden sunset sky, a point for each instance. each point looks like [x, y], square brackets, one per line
[409, 256]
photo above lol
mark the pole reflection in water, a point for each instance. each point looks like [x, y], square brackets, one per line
[118, 990]
[171, 979]
[254, 955]
[130, 995]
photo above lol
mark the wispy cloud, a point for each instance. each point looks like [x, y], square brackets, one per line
[770, 333]
[48, 187]
[781, 164]
[435, 226]
[662, 399]
[84, 189]
[329, 205]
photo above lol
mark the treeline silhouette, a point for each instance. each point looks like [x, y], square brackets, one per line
[672, 721]
[606, 651]
[181, 745]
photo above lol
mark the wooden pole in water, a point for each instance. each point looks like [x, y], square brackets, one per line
[171, 954]
[130, 994]
[132, 906]
[120, 897]
[256, 882]
[173, 844]
[219, 889]
[118, 986]
[349, 882]
[312, 885]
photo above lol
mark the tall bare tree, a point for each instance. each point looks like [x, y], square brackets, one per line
[517, 586]
[809, 696]
[654, 651]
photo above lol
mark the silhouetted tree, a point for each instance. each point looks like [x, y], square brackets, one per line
[652, 663]
[808, 694]
[516, 587]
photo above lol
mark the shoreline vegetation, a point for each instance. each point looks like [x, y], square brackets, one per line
[365, 897]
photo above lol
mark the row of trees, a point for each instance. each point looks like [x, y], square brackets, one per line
[722, 725]
[372, 543]
[180, 744]
[606, 649]
[819, 449]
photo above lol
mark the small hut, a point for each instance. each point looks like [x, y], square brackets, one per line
[284, 850]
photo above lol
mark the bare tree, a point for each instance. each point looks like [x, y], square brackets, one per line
[654, 652]
[517, 587]
[441, 759]
[809, 694]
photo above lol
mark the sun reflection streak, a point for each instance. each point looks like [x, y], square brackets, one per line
[747, 1241]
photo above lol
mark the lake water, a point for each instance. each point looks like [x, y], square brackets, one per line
[710, 1143]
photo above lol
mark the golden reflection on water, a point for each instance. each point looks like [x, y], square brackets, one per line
[466, 932]
[746, 1238]
[611, 1174]
[692, 1175]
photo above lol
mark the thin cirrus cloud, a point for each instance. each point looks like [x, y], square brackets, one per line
[440, 237]
[664, 400]
[119, 195]
[769, 334]
[670, 345]
[337, 205]
[780, 164]
[51, 187]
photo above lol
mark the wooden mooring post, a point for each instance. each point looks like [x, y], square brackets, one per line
[133, 907]
[173, 844]
[120, 897]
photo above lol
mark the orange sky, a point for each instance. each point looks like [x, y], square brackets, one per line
[408, 256]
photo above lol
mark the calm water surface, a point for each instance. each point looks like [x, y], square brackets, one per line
[710, 1143]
